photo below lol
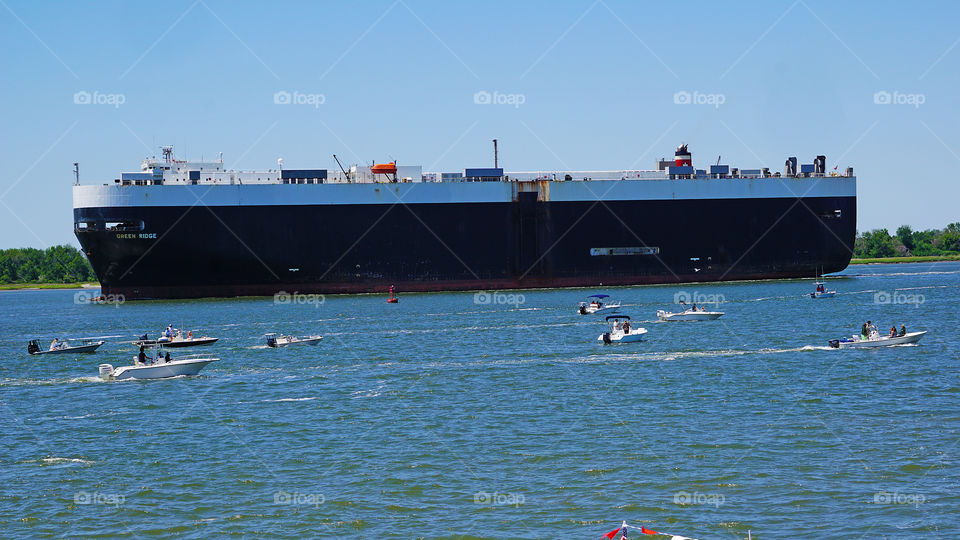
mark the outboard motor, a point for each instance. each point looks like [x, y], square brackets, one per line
[835, 343]
[271, 341]
[106, 372]
[606, 338]
[583, 309]
[33, 347]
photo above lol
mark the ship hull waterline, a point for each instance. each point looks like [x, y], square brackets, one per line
[225, 251]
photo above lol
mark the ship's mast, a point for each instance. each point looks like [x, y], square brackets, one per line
[495, 157]
[76, 174]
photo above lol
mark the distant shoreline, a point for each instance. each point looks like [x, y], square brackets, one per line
[44, 286]
[900, 260]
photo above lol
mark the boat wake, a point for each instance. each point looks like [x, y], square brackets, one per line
[54, 460]
[48, 382]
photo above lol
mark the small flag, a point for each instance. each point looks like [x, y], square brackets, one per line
[611, 534]
[835, 168]
[645, 530]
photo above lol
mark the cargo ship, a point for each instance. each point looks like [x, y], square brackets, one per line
[188, 229]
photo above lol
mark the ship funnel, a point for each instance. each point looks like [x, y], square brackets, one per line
[682, 157]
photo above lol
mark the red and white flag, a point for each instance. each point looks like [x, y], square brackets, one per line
[611, 534]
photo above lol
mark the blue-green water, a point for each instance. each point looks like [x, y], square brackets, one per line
[442, 417]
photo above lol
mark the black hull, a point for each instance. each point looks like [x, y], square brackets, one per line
[205, 251]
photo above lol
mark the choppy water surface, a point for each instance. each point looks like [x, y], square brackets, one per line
[445, 417]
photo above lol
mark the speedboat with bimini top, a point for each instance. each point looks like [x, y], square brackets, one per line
[596, 303]
[280, 340]
[63, 347]
[820, 289]
[874, 339]
[161, 367]
[621, 331]
[690, 314]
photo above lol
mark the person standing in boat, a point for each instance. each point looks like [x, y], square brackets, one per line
[903, 329]
[169, 331]
[142, 356]
[865, 330]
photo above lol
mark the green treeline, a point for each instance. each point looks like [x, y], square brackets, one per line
[57, 264]
[908, 243]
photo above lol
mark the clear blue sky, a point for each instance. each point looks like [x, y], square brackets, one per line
[398, 79]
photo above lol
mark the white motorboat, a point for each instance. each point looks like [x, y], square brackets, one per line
[596, 303]
[180, 340]
[820, 289]
[64, 347]
[163, 367]
[173, 337]
[692, 314]
[876, 340]
[280, 340]
[621, 331]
